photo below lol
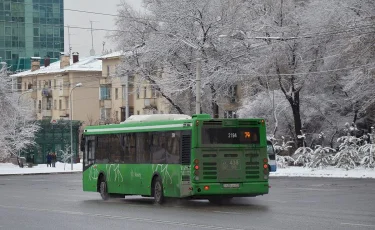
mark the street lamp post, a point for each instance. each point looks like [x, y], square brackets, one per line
[71, 125]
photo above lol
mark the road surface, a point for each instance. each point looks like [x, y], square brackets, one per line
[57, 202]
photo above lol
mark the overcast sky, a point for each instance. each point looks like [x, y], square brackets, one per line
[80, 39]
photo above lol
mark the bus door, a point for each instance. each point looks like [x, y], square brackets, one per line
[271, 156]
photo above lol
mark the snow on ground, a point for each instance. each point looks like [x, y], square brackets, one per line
[327, 172]
[9, 169]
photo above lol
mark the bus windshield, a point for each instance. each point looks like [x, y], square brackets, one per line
[230, 135]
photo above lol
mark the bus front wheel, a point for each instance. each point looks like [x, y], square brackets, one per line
[103, 189]
[158, 191]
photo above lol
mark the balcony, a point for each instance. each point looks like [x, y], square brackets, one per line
[63, 113]
[106, 104]
[46, 92]
[150, 103]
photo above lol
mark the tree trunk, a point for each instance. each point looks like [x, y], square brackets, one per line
[214, 105]
[295, 104]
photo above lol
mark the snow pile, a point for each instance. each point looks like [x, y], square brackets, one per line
[295, 171]
[9, 169]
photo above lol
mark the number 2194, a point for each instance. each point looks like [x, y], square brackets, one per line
[232, 135]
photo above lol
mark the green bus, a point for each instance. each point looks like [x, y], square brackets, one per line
[177, 156]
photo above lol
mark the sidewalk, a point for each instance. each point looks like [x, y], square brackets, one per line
[11, 169]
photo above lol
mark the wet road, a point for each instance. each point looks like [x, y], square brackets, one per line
[57, 202]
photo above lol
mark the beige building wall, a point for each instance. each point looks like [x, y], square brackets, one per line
[113, 107]
[147, 100]
[51, 95]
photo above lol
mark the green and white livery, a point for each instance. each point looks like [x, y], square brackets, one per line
[172, 155]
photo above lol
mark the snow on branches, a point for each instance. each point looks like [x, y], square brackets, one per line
[351, 152]
[17, 125]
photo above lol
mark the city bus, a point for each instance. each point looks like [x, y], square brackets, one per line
[177, 156]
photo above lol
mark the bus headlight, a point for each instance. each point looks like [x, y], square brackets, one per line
[196, 178]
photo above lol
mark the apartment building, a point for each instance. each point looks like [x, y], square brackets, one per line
[140, 97]
[54, 85]
[114, 99]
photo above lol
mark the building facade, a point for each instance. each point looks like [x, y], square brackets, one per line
[114, 98]
[30, 28]
[140, 97]
[54, 85]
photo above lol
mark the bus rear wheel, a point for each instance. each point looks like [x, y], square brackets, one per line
[158, 191]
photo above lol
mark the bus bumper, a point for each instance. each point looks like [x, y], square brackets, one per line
[249, 189]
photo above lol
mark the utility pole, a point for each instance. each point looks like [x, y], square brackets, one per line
[198, 87]
[70, 47]
[126, 96]
[92, 51]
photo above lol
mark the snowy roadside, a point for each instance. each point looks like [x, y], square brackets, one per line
[11, 169]
[327, 172]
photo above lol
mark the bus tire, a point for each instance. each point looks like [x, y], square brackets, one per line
[158, 191]
[103, 189]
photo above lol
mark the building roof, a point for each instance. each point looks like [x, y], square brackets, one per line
[84, 65]
[122, 53]
[113, 55]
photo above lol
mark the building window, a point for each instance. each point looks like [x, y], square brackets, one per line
[116, 93]
[54, 104]
[153, 92]
[40, 105]
[49, 104]
[108, 69]
[105, 92]
[145, 92]
[137, 112]
[60, 105]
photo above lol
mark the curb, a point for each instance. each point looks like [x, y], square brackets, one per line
[43, 173]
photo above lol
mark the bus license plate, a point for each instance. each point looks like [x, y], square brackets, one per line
[231, 185]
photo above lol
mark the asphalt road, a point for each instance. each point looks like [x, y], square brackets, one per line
[57, 202]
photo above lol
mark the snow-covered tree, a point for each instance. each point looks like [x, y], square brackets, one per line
[348, 155]
[322, 156]
[17, 124]
[367, 151]
[171, 39]
[66, 155]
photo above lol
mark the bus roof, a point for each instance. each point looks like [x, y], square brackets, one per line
[150, 123]
[156, 117]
